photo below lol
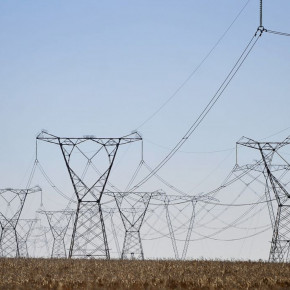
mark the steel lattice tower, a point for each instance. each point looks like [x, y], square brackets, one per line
[24, 229]
[132, 208]
[14, 200]
[275, 167]
[172, 201]
[58, 223]
[39, 241]
[89, 237]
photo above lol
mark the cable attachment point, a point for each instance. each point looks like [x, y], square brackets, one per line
[261, 29]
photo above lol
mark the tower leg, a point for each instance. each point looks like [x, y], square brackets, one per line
[280, 244]
[89, 236]
[9, 245]
[132, 247]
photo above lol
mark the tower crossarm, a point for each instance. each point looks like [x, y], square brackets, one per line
[73, 141]
[14, 199]
[260, 167]
[266, 146]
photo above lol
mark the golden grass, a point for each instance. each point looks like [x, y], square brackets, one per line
[160, 274]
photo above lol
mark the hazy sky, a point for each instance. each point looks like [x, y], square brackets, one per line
[103, 67]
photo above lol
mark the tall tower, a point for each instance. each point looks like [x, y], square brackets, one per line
[89, 237]
[275, 168]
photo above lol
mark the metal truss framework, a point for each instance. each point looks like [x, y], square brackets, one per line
[11, 244]
[39, 241]
[189, 231]
[24, 230]
[167, 202]
[171, 231]
[115, 233]
[172, 201]
[58, 223]
[89, 237]
[275, 189]
[132, 209]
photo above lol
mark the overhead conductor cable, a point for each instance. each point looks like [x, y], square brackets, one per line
[208, 107]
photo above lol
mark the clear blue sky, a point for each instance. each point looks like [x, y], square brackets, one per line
[103, 67]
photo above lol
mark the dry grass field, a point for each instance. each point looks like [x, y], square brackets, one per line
[162, 274]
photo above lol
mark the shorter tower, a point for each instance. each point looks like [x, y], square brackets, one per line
[12, 202]
[58, 223]
[132, 208]
[24, 230]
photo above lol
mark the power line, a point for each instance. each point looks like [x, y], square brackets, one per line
[274, 134]
[195, 70]
[230, 240]
[241, 204]
[208, 107]
[53, 185]
[277, 32]
[191, 152]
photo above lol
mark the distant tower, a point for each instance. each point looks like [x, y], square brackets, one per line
[58, 223]
[10, 210]
[132, 207]
[24, 229]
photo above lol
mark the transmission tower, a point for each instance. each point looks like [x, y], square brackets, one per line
[132, 208]
[58, 223]
[275, 167]
[11, 207]
[89, 237]
[171, 203]
[24, 229]
[39, 242]
[185, 199]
